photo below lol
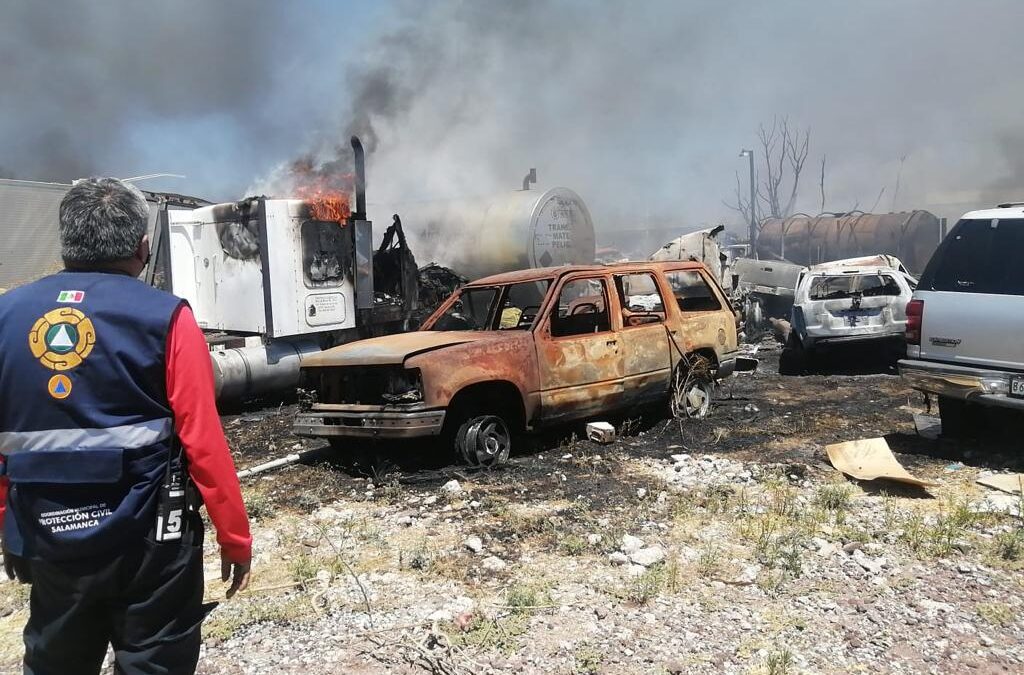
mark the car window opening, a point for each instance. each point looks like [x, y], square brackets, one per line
[640, 299]
[582, 309]
[692, 292]
[837, 287]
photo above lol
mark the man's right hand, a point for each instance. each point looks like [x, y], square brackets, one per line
[16, 568]
[9, 567]
[238, 572]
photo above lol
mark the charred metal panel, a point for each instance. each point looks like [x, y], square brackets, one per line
[364, 264]
[646, 361]
[502, 357]
[580, 375]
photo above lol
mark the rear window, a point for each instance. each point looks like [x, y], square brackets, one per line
[979, 256]
[848, 285]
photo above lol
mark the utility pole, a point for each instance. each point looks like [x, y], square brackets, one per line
[753, 204]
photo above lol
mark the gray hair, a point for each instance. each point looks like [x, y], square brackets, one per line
[102, 220]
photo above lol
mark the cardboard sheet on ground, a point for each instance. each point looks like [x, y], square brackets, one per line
[1006, 482]
[870, 459]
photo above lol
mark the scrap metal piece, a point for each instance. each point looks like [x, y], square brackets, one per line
[870, 459]
[928, 426]
[1004, 482]
[601, 432]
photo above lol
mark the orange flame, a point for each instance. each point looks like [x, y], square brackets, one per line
[325, 191]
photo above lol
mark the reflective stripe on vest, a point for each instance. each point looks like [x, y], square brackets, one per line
[128, 437]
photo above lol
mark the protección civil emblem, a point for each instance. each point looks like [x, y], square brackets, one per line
[62, 338]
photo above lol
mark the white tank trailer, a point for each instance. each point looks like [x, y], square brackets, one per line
[500, 233]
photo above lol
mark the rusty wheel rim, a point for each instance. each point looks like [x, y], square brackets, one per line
[691, 395]
[488, 441]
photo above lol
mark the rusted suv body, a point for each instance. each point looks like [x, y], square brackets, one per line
[522, 350]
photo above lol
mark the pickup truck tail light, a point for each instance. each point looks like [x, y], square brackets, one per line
[915, 315]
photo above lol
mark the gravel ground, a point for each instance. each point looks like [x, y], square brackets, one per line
[728, 545]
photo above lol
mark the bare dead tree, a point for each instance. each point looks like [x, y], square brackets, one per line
[877, 199]
[784, 149]
[821, 184]
[741, 204]
[899, 174]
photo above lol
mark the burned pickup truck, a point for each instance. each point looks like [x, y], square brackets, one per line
[519, 351]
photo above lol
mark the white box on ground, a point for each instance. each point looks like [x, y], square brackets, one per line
[600, 432]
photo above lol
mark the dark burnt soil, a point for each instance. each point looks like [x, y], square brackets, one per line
[782, 423]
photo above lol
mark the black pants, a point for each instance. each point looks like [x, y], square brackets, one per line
[146, 602]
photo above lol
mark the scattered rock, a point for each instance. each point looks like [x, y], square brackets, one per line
[647, 556]
[618, 558]
[493, 564]
[637, 570]
[452, 487]
[631, 544]
[749, 574]
[868, 564]
[474, 544]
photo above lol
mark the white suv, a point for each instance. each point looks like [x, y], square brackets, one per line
[965, 322]
[846, 302]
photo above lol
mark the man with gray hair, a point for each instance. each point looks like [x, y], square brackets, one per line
[109, 444]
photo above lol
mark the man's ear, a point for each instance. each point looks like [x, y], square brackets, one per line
[142, 252]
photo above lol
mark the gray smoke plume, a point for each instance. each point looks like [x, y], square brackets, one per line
[640, 107]
[88, 87]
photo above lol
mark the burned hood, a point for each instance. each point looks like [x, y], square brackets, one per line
[389, 349]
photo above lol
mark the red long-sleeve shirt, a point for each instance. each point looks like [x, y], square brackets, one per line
[190, 393]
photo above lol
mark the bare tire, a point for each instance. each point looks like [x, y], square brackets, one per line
[692, 390]
[483, 440]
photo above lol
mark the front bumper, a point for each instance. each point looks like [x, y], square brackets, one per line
[368, 422]
[977, 385]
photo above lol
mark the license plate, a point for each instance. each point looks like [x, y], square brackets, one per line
[1017, 386]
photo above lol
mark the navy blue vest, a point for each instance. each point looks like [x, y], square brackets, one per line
[85, 424]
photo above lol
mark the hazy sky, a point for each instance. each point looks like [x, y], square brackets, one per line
[641, 107]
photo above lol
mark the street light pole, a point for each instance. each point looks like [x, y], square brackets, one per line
[753, 204]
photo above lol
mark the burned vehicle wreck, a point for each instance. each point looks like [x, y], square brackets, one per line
[523, 350]
[846, 302]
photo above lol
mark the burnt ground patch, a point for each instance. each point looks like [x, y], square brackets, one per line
[758, 417]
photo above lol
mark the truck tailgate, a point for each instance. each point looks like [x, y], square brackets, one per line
[973, 328]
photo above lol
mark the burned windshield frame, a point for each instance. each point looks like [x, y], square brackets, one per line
[455, 316]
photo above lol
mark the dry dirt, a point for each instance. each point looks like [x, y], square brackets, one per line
[728, 545]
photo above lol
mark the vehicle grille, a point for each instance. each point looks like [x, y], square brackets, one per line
[368, 385]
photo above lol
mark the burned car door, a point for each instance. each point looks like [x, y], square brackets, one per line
[644, 340]
[578, 352]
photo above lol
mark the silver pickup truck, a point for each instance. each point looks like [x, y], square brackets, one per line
[966, 319]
